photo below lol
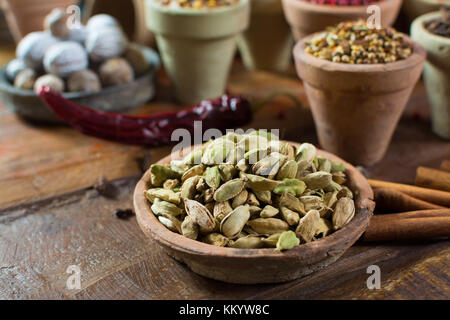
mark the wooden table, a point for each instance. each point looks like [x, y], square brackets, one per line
[51, 217]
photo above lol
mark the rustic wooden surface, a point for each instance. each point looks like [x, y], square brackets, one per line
[51, 217]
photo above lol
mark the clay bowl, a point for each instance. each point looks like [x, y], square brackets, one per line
[356, 108]
[305, 17]
[251, 266]
[122, 98]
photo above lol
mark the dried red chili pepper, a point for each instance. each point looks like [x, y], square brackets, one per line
[222, 113]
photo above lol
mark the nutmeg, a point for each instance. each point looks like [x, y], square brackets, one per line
[25, 79]
[13, 68]
[105, 43]
[56, 23]
[49, 80]
[101, 21]
[84, 81]
[65, 58]
[136, 57]
[32, 48]
[116, 71]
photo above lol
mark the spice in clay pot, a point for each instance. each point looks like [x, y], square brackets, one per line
[106, 43]
[116, 71]
[84, 81]
[56, 23]
[13, 68]
[25, 79]
[65, 58]
[32, 48]
[49, 80]
[136, 57]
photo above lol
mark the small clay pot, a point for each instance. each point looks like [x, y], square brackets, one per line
[25, 16]
[251, 266]
[306, 18]
[357, 107]
[436, 73]
[267, 43]
[197, 46]
[415, 8]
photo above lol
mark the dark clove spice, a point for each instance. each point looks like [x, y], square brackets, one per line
[123, 214]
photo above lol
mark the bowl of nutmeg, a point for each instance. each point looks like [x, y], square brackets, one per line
[93, 64]
[249, 208]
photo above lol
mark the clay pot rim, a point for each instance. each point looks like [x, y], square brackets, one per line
[197, 12]
[418, 56]
[419, 22]
[339, 10]
[151, 226]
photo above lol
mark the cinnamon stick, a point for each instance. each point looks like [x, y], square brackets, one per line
[445, 165]
[438, 197]
[385, 228]
[434, 213]
[433, 179]
[395, 201]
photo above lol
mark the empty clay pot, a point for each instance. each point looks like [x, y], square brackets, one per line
[306, 18]
[197, 46]
[436, 73]
[357, 107]
[267, 43]
[25, 16]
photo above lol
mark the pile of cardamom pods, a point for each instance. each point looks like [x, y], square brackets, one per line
[251, 191]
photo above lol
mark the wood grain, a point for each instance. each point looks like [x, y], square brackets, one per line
[39, 241]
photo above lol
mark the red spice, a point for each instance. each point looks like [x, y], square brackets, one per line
[222, 113]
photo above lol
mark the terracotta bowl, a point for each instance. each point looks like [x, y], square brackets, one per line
[122, 98]
[251, 266]
[306, 18]
[356, 108]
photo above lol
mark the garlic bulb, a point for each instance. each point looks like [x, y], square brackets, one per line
[31, 49]
[101, 21]
[56, 23]
[106, 43]
[65, 58]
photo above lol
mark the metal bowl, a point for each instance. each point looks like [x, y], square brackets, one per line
[122, 98]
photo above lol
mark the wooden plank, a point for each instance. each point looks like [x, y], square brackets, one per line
[39, 241]
[37, 162]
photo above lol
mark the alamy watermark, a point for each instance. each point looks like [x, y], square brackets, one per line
[74, 280]
[374, 281]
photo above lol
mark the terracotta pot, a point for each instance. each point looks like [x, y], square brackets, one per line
[357, 107]
[436, 73]
[129, 13]
[267, 43]
[25, 16]
[415, 8]
[197, 46]
[250, 266]
[306, 18]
